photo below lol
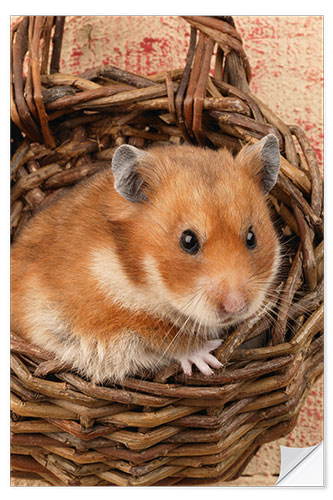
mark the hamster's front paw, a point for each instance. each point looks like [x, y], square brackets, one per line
[201, 358]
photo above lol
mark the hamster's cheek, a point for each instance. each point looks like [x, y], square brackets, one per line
[174, 289]
[195, 305]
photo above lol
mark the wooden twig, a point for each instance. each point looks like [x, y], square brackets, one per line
[38, 98]
[57, 43]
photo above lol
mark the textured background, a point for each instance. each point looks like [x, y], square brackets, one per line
[286, 56]
[285, 52]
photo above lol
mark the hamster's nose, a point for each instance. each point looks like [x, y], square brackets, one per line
[232, 303]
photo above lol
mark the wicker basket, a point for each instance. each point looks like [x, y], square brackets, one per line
[167, 430]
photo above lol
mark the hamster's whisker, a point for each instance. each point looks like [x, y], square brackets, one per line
[268, 315]
[194, 329]
[181, 329]
[283, 300]
[271, 318]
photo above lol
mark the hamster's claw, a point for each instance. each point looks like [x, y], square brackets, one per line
[201, 358]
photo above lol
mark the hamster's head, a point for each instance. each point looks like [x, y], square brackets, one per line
[201, 226]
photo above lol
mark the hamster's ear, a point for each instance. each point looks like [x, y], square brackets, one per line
[127, 180]
[263, 158]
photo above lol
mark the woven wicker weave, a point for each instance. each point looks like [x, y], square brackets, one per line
[167, 430]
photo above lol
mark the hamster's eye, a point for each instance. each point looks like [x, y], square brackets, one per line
[251, 240]
[189, 242]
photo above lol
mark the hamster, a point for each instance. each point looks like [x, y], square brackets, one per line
[147, 262]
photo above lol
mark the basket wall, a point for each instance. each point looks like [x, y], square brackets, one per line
[166, 430]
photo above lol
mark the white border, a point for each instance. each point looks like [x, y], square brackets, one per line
[157, 8]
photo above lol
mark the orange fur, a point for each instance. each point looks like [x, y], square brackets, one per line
[99, 266]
